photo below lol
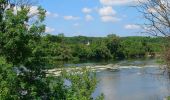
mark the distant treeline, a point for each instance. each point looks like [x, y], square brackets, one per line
[63, 48]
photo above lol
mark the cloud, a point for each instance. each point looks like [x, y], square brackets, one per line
[71, 18]
[33, 10]
[120, 2]
[50, 14]
[132, 26]
[89, 18]
[108, 14]
[86, 10]
[105, 11]
[151, 10]
[110, 19]
[49, 30]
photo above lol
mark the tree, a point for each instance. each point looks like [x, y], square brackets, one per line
[157, 16]
[81, 85]
[100, 51]
[113, 44]
[22, 68]
[82, 51]
[18, 44]
[8, 81]
[157, 19]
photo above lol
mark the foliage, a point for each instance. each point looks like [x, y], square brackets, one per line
[133, 49]
[113, 43]
[104, 48]
[7, 81]
[100, 51]
[81, 85]
[168, 98]
[82, 51]
[24, 52]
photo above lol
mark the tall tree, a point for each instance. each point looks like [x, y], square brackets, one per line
[19, 36]
[157, 16]
[22, 68]
[157, 19]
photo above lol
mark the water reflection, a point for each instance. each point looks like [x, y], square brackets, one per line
[133, 84]
[136, 80]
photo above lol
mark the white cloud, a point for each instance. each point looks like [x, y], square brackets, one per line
[89, 18]
[105, 11]
[71, 18]
[108, 14]
[132, 26]
[50, 14]
[114, 2]
[86, 10]
[151, 10]
[120, 2]
[110, 19]
[33, 10]
[49, 30]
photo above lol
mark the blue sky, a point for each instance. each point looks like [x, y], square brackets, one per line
[92, 17]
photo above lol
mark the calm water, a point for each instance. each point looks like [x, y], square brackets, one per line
[136, 80]
[146, 83]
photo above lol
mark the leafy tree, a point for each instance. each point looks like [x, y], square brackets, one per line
[81, 86]
[82, 51]
[19, 46]
[113, 44]
[64, 53]
[133, 49]
[8, 81]
[100, 51]
[22, 71]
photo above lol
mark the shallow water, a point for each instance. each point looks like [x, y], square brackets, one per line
[130, 83]
[141, 79]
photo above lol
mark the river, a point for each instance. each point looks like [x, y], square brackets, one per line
[134, 80]
[144, 81]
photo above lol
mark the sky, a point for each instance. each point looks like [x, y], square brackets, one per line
[96, 18]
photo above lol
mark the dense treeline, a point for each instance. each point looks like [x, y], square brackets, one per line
[64, 48]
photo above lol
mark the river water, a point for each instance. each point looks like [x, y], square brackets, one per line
[136, 80]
